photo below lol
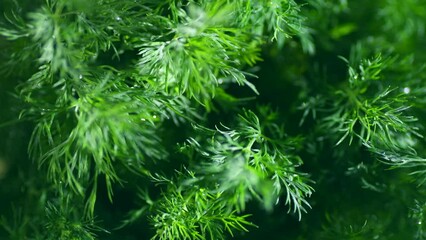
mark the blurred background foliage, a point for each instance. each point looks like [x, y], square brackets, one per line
[356, 196]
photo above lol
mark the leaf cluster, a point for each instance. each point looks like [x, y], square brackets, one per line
[254, 159]
[108, 88]
[369, 107]
[194, 213]
[106, 76]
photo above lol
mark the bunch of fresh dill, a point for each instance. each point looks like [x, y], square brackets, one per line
[212, 119]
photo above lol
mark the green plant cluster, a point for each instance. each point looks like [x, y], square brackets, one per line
[212, 119]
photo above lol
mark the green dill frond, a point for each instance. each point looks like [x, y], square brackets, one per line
[48, 29]
[312, 106]
[19, 31]
[404, 157]
[205, 40]
[368, 109]
[194, 213]
[108, 124]
[277, 20]
[254, 160]
[61, 225]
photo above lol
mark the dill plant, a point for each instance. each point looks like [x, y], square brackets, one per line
[227, 119]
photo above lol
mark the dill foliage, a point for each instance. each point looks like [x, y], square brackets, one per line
[201, 119]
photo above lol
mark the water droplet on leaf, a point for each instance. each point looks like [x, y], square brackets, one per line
[407, 90]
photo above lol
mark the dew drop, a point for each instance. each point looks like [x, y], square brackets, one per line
[407, 90]
[118, 18]
[143, 119]
[80, 76]
[419, 222]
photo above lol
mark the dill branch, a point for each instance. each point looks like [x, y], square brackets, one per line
[254, 160]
